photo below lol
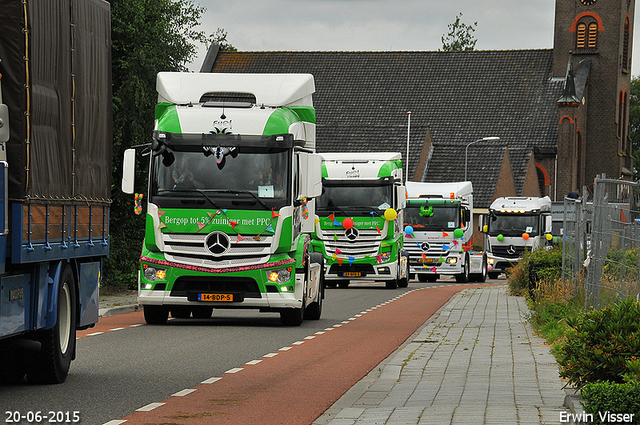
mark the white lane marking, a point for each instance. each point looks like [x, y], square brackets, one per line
[149, 407]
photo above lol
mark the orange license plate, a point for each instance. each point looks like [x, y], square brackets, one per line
[351, 274]
[426, 260]
[215, 297]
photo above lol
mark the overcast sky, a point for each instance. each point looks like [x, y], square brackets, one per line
[380, 25]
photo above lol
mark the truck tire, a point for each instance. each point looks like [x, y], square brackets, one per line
[51, 364]
[292, 316]
[314, 310]
[464, 276]
[155, 314]
[404, 282]
[11, 367]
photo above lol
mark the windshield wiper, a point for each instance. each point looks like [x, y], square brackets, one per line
[244, 192]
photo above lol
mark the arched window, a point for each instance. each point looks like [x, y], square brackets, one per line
[625, 45]
[587, 26]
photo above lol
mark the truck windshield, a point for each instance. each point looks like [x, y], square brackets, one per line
[354, 197]
[513, 225]
[432, 218]
[245, 177]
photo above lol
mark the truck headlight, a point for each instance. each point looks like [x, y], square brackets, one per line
[279, 275]
[490, 260]
[452, 260]
[153, 273]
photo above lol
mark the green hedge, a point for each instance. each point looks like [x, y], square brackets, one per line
[602, 398]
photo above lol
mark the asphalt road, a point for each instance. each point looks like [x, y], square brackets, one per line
[121, 370]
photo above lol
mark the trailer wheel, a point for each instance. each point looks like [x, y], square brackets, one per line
[51, 364]
[155, 314]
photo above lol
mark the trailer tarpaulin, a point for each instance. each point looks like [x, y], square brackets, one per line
[56, 80]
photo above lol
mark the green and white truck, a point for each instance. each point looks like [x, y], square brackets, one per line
[359, 229]
[233, 175]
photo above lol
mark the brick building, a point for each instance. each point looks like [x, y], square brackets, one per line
[561, 114]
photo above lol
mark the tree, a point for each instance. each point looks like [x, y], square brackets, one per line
[634, 125]
[148, 36]
[460, 36]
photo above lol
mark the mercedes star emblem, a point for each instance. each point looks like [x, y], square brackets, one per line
[351, 233]
[217, 243]
[424, 246]
[511, 250]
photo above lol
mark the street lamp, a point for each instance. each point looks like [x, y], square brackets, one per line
[466, 151]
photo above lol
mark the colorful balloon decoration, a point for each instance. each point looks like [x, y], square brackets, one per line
[500, 237]
[458, 233]
[408, 230]
[137, 209]
[549, 236]
[390, 214]
[525, 236]
[347, 223]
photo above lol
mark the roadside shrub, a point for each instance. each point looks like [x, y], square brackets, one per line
[535, 266]
[601, 397]
[600, 344]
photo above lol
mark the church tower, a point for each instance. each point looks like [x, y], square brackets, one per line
[592, 55]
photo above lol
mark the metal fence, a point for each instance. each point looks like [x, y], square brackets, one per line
[601, 242]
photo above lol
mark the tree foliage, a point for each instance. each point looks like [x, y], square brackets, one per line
[148, 36]
[460, 36]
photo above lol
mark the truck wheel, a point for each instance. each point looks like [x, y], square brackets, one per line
[404, 282]
[391, 284]
[11, 367]
[155, 314]
[181, 312]
[483, 275]
[292, 316]
[464, 276]
[314, 310]
[51, 364]
[202, 312]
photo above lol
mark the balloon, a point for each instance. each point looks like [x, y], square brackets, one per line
[408, 230]
[458, 233]
[390, 214]
[489, 267]
[525, 236]
[347, 223]
[500, 237]
[549, 236]
[485, 228]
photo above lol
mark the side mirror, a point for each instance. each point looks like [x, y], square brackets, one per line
[128, 171]
[401, 193]
[4, 123]
[311, 175]
[548, 224]
[484, 228]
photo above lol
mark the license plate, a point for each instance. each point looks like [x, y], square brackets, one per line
[426, 260]
[351, 274]
[215, 297]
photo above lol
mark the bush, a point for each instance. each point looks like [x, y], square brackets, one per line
[600, 344]
[601, 397]
[534, 267]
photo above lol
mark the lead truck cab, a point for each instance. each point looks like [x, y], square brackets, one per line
[515, 225]
[230, 207]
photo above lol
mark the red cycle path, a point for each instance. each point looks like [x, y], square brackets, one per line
[298, 385]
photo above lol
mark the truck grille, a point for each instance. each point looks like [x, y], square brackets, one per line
[502, 251]
[189, 248]
[365, 244]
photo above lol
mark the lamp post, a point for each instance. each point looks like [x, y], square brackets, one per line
[466, 151]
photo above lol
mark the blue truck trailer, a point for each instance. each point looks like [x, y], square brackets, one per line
[55, 180]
